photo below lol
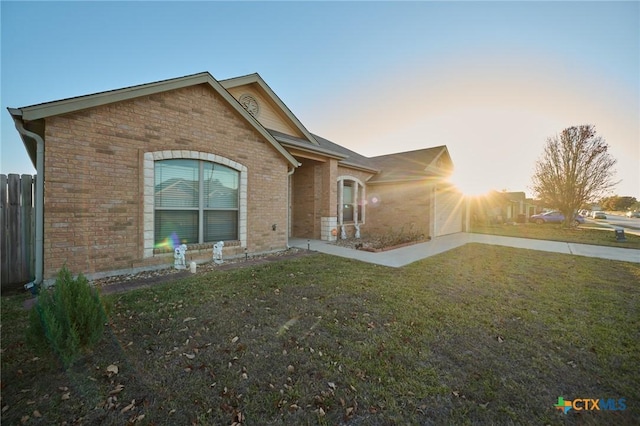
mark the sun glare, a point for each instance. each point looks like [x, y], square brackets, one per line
[469, 185]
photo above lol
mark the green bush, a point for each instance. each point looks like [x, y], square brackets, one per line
[68, 317]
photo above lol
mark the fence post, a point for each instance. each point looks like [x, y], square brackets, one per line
[4, 271]
[26, 195]
[14, 242]
[17, 231]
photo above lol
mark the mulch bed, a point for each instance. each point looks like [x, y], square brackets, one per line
[123, 283]
[375, 245]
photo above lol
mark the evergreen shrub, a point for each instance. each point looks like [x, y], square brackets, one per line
[69, 317]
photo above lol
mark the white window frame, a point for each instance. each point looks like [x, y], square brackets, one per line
[149, 198]
[359, 198]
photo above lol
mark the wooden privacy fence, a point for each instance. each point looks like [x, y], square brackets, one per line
[17, 229]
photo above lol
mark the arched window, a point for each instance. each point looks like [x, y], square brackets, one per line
[193, 197]
[195, 201]
[351, 196]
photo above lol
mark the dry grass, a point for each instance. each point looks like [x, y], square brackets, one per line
[583, 234]
[480, 334]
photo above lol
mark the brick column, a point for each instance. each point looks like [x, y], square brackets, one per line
[329, 201]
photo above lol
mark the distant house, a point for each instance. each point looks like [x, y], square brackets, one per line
[130, 173]
[503, 207]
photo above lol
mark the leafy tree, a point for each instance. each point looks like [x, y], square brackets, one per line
[607, 202]
[574, 168]
[625, 203]
[616, 203]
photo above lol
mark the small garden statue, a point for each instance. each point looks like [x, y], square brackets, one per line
[217, 252]
[357, 225]
[343, 233]
[178, 257]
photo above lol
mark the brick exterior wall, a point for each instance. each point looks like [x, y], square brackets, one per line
[314, 197]
[404, 206]
[306, 195]
[94, 183]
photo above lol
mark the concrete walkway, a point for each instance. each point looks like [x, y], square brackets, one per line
[409, 254]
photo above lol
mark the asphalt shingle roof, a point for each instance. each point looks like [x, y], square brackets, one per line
[404, 166]
[409, 165]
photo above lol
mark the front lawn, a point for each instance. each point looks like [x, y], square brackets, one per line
[480, 334]
[589, 233]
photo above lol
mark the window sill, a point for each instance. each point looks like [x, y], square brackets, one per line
[195, 247]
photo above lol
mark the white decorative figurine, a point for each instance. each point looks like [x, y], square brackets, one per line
[178, 257]
[357, 230]
[217, 252]
[343, 233]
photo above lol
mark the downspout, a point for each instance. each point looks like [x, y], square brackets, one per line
[39, 201]
[289, 190]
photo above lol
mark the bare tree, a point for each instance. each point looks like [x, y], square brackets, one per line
[574, 168]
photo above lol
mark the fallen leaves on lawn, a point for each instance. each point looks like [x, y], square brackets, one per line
[117, 389]
[112, 369]
[350, 412]
[128, 407]
[238, 418]
[286, 326]
[136, 418]
[110, 403]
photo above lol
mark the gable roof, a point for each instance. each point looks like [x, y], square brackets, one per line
[256, 79]
[401, 167]
[345, 156]
[351, 158]
[412, 165]
[65, 106]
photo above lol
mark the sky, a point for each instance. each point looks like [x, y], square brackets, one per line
[490, 80]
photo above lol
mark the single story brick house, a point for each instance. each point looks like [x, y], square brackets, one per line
[130, 173]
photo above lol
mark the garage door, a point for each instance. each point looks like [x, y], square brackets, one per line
[448, 211]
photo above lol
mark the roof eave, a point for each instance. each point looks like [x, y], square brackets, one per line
[375, 181]
[313, 150]
[29, 143]
[359, 167]
[66, 106]
[257, 79]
